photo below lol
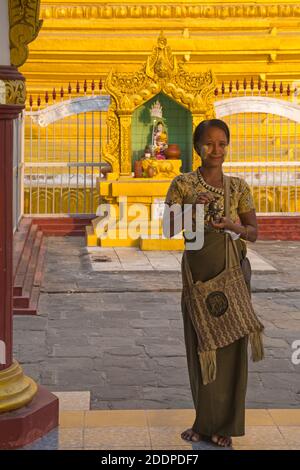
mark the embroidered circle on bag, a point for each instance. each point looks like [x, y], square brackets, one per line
[216, 303]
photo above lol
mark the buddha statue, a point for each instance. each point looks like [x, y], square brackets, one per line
[160, 140]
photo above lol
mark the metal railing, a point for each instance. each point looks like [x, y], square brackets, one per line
[63, 148]
[64, 142]
[265, 128]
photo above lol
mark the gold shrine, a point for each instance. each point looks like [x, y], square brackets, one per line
[161, 74]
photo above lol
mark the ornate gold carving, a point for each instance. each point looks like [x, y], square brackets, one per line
[125, 88]
[162, 169]
[111, 151]
[12, 92]
[151, 10]
[125, 151]
[24, 28]
[161, 73]
[15, 92]
[161, 64]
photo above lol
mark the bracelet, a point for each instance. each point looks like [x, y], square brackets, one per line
[246, 236]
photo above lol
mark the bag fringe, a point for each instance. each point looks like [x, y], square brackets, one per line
[257, 346]
[208, 364]
[208, 359]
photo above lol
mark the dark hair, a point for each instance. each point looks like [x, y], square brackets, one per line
[207, 124]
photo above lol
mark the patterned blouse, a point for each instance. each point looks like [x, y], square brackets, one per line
[185, 188]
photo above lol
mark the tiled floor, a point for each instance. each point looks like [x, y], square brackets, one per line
[134, 259]
[160, 429]
[70, 401]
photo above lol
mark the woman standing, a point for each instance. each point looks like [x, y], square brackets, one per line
[220, 404]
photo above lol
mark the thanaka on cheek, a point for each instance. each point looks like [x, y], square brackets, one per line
[203, 151]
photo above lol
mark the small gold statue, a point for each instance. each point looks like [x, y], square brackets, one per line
[214, 212]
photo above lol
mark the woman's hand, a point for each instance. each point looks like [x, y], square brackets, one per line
[204, 198]
[225, 223]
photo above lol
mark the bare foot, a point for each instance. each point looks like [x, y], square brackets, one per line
[222, 441]
[190, 435]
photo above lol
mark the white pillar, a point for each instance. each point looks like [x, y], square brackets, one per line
[4, 33]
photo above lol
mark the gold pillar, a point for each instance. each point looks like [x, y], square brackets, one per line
[125, 149]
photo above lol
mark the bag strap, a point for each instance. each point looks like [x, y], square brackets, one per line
[228, 239]
[227, 214]
[227, 180]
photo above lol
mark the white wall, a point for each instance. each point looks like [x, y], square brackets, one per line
[4, 33]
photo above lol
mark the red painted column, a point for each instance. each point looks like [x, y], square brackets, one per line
[7, 114]
[27, 410]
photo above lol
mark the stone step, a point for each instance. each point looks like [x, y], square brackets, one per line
[25, 259]
[63, 226]
[116, 242]
[62, 221]
[29, 279]
[24, 311]
[272, 227]
[90, 237]
[279, 228]
[27, 302]
[283, 236]
[161, 244]
[63, 232]
[29, 270]
[19, 240]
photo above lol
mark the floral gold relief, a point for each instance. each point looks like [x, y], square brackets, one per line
[12, 92]
[222, 10]
[125, 144]
[15, 92]
[111, 150]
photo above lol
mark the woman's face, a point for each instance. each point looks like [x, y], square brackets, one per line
[213, 147]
